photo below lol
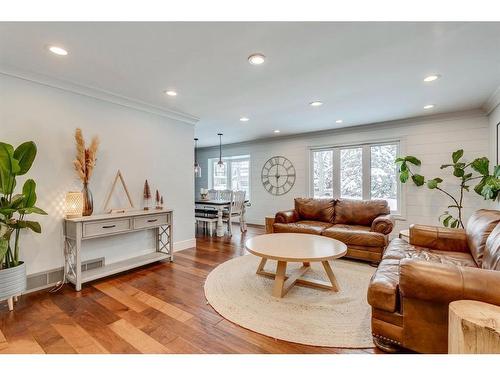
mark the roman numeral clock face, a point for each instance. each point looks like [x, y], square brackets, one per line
[278, 175]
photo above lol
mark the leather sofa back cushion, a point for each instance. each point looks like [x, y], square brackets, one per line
[491, 259]
[479, 227]
[359, 212]
[315, 209]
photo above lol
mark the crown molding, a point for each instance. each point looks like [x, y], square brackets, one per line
[99, 94]
[492, 102]
[410, 121]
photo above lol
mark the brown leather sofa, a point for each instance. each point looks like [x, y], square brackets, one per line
[364, 226]
[415, 282]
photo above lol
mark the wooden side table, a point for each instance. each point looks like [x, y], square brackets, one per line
[405, 235]
[474, 328]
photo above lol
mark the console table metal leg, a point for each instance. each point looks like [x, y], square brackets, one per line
[78, 258]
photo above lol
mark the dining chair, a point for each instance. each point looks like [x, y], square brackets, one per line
[235, 209]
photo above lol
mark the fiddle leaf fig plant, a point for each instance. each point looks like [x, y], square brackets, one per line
[475, 172]
[14, 208]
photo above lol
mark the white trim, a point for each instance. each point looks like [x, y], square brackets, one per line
[410, 121]
[492, 102]
[183, 245]
[99, 94]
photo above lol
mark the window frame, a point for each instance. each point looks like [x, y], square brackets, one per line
[228, 161]
[366, 168]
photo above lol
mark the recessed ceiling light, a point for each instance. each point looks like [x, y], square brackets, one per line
[276, 131]
[58, 50]
[339, 121]
[432, 77]
[316, 103]
[429, 106]
[171, 93]
[244, 119]
[256, 59]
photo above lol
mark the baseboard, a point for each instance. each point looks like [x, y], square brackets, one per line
[183, 245]
[47, 279]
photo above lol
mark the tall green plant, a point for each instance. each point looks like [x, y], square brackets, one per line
[14, 208]
[488, 185]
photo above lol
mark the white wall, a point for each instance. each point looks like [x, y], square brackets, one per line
[142, 145]
[431, 139]
[494, 119]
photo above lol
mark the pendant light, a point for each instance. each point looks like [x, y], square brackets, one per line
[197, 168]
[220, 168]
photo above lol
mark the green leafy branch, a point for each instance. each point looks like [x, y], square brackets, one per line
[488, 185]
[15, 207]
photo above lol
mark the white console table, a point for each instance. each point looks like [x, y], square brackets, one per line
[79, 229]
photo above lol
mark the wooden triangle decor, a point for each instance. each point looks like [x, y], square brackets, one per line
[118, 210]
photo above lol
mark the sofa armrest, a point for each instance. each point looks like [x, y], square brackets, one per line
[383, 224]
[286, 217]
[444, 283]
[439, 238]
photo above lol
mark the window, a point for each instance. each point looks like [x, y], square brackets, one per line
[236, 175]
[351, 173]
[357, 172]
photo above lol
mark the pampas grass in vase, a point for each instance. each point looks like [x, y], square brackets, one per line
[84, 164]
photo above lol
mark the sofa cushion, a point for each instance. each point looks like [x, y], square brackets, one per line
[315, 209]
[303, 226]
[399, 249]
[491, 259]
[479, 227]
[356, 235]
[359, 212]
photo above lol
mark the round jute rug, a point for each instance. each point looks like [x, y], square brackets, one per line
[304, 315]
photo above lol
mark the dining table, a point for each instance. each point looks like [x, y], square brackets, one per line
[220, 205]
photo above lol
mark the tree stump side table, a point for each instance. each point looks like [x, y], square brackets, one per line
[474, 328]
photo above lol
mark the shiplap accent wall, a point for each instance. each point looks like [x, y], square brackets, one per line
[139, 143]
[432, 139]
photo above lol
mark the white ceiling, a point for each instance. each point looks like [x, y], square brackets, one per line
[363, 72]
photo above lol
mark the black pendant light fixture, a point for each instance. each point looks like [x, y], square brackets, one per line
[197, 168]
[220, 164]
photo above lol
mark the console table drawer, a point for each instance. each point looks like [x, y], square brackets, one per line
[102, 228]
[151, 221]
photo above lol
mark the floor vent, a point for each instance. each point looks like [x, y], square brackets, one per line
[42, 280]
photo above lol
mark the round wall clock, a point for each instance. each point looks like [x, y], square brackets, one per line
[278, 175]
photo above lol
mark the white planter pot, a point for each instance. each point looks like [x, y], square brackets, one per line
[12, 281]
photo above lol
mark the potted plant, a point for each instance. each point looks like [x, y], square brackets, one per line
[476, 172]
[14, 211]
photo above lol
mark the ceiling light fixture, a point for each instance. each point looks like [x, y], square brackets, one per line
[197, 168]
[220, 167]
[339, 121]
[432, 77]
[429, 106]
[276, 131]
[171, 93]
[316, 103]
[244, 119]
[58, 50]
[256, 59]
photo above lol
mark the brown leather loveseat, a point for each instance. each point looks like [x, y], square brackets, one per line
[415, 282]
[364, 226]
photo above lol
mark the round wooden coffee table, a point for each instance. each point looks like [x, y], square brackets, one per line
[295, 247]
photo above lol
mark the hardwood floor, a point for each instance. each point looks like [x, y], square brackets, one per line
[159, 308]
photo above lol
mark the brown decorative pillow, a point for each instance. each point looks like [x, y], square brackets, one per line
[359, 212]
[315, 209]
